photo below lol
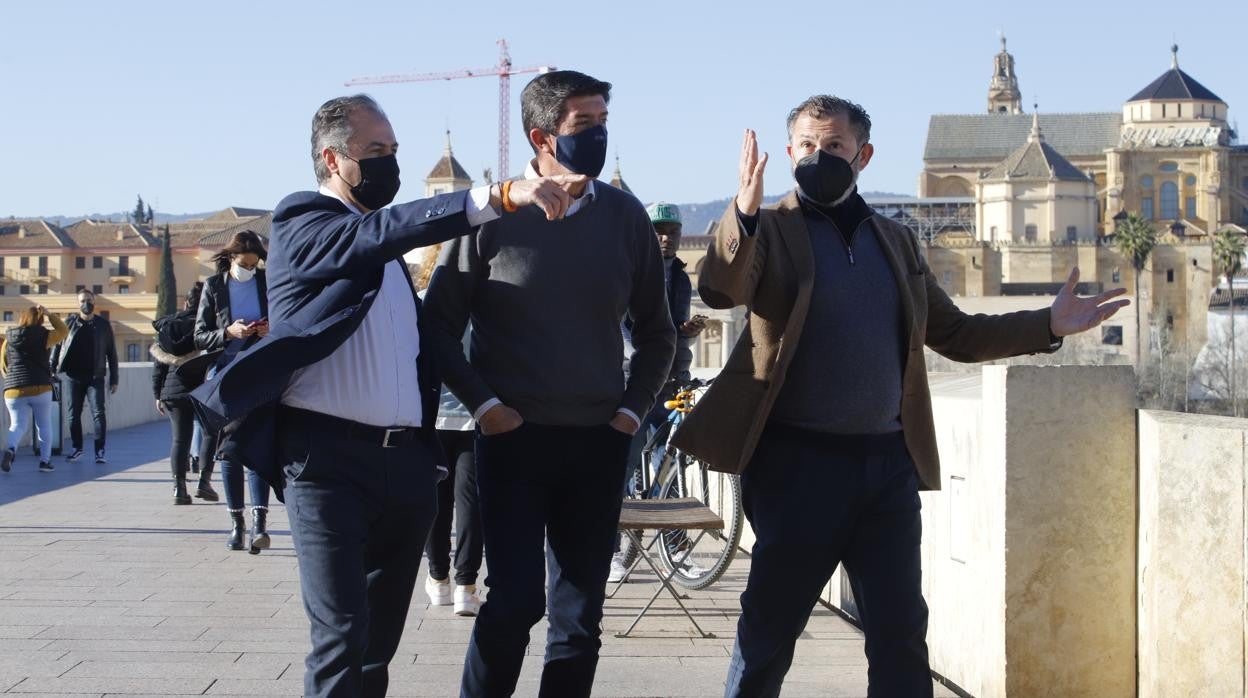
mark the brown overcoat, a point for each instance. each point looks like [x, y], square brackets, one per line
[772, 274]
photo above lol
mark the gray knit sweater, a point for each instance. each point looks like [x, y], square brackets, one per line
[546, 299]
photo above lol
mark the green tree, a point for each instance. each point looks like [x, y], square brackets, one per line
[140, 213]
[151, 217]
[1135, 238]
[1228, 256]
[167, 293]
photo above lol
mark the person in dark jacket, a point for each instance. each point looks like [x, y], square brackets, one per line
[86, 358]
[665, 218]
[28, 380]
[177, 370]
[233, 315]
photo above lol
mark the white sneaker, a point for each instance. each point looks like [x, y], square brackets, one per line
[439, 591]
[467, 603]
[618, 569]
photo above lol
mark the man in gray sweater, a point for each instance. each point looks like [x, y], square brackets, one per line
[544, 381]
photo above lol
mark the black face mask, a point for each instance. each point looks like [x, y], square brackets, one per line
[379, 181]
[824, 178]
[583, 153]
[87, 307]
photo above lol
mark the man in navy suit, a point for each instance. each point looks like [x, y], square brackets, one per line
[336, 406]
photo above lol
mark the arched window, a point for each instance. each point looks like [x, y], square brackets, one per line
[1169, 167]
[1169, 200]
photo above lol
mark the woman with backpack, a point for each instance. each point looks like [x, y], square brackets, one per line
[178, 369]
[24, 361]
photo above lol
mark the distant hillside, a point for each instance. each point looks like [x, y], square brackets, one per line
[120, 217]
[695, 218]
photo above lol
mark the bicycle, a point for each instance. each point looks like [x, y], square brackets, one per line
[673, 474]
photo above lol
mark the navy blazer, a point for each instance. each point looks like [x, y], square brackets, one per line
[324, 270]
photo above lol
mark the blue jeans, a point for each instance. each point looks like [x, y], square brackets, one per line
[232, 476]
[20, 411]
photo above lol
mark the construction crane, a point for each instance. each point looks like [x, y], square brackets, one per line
[503, 70]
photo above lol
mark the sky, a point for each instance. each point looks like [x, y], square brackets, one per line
[199, 106]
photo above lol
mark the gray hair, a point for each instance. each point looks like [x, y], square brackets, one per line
[544, 101]
[331, 128]
[821, 106]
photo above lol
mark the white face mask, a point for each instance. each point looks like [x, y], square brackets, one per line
[241, 274]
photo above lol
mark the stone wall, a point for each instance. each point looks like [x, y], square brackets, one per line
[132, 405]
[1192, 559]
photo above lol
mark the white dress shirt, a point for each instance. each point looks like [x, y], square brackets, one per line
[371, 378]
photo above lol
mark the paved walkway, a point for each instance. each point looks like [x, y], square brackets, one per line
[106, 588]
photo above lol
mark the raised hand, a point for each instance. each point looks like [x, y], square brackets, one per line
[1071, 314]
[750, 171]
[552, 194]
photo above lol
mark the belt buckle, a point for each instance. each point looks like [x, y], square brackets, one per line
[385, 442]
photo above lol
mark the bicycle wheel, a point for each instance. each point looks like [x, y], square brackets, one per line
[707, 561]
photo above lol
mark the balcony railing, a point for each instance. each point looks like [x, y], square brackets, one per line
[33, 276]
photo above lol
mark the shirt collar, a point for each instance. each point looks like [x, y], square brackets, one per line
[530, 172]
[326, 191]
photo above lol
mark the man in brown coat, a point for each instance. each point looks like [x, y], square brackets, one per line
[825, 397]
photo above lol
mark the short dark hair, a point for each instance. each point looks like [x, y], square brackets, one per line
[544, 101]
[820, 106]
[243, 242]
[87, 291]
[193, 294]
[331, 128]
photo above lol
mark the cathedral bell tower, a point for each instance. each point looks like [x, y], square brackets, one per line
[1003, 94]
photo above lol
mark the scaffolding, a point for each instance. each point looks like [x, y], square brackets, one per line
[929, 217]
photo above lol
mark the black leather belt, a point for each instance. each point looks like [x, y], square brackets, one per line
[385, 437]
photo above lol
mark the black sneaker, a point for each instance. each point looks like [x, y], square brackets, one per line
[74, 456]
[45, 467]
[6, 460]
[99, 457]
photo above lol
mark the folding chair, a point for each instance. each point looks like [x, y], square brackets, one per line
[662, 515]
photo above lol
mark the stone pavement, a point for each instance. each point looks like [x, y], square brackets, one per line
[106, 588]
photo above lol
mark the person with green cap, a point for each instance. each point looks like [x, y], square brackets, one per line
[665, 218]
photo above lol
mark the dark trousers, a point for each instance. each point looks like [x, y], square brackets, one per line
[816, 501]
[457, 501]
[359, 515]
[539, 485]
[182, 421]
[78, 390]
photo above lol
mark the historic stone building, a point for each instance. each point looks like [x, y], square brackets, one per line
[1170, 154]
[1048, 188]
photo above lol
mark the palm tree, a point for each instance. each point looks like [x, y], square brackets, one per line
[1228, 254]
[1135, 239]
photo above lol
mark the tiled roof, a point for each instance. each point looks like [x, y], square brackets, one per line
[38, 234]
[1175, 84]
[97, 234]
[234, 213]
[262, 226]
[994, 136]
[1036, 160]
[448, 168]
